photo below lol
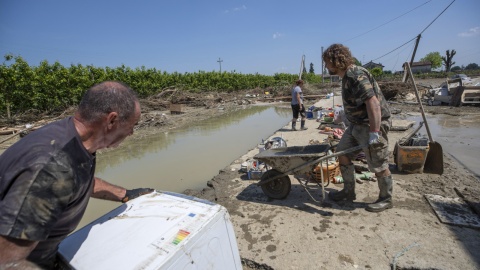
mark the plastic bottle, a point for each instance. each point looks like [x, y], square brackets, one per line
[337, 179]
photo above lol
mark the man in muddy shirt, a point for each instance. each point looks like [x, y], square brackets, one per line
[367, 111]
[47, 178]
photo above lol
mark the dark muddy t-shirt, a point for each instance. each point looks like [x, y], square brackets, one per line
[46, 180]
[358, 85]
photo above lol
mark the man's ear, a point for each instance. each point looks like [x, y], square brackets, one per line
[112, 119]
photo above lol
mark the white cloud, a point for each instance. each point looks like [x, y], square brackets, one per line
[236, 9]
[471, 32]
[240, 8]
[277, 35]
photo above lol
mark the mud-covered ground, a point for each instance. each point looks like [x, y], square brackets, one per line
[297, 233]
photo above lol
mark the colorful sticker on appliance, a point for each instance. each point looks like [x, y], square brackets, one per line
[180, 236]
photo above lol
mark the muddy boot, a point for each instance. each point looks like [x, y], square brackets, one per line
[385, 184]
[348, 191]
[294, 126]
[302, 125]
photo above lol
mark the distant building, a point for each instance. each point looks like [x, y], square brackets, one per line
[372, 65]
[421, 67]
[333, 78]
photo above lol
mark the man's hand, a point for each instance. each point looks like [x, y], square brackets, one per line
[134, 193]
[374, 138]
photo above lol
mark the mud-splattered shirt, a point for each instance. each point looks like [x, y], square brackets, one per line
[46, 180]
[358, 85]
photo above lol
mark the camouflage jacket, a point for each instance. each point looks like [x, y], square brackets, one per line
[358, 85]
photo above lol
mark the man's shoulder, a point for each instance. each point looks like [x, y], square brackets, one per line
[355, 71]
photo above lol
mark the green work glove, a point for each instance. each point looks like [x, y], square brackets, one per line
[134, 193]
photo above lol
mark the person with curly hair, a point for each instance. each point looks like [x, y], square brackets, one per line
[369, 115]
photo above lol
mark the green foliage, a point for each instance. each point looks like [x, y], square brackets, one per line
[455, 68]
[376, 72]
[311, 70]
[357, 63]
[50, 87]
[472, 66]
[434, 58]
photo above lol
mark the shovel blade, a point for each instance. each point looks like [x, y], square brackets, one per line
[434, 160]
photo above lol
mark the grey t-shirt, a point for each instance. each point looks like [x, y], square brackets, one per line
[296, 90]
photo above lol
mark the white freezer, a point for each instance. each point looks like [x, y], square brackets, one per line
[161, 230]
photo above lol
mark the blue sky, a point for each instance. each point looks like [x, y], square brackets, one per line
[263, 36]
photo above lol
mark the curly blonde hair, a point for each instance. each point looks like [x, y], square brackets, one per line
[339, 55]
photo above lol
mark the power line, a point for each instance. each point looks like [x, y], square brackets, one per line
[418, 35]
[437, 17]
[395, 48]
[388, 21]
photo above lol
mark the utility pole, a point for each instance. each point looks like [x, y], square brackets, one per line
[220, 62]
[405, 75]
[322, 66]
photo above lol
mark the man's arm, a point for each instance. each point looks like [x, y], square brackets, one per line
[374, 113]
[14, 253]
[106, 191]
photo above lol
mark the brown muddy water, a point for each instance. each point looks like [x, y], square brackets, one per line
[459, 137]
[185, 158]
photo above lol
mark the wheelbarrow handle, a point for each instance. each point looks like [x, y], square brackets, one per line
[341, 153]
[353, 149]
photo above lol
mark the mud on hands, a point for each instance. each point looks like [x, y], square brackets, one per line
[137, 192]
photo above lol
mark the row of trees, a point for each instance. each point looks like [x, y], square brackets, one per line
[447, 61]
[49, 87]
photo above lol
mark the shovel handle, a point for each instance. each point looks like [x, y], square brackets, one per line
[419, 101]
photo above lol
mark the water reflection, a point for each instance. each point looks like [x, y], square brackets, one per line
[186, 158]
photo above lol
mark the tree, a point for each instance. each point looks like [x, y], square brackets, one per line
[472, 66]
[434, 58]
[447, 60]
[376, 72]
[311, 70]
[357, 63]
[456, 68]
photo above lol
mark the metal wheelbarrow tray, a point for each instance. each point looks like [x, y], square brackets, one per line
[297, 160]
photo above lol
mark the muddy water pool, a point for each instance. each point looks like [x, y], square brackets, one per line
[459, 136]
[185, 158]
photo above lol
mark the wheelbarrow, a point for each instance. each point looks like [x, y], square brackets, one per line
[299, 161]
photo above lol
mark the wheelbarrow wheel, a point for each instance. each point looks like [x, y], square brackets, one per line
[278, 188]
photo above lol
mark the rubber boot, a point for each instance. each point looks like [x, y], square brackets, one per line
[385, 184]
[348, 191]
[302, 125]
[293, 126]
